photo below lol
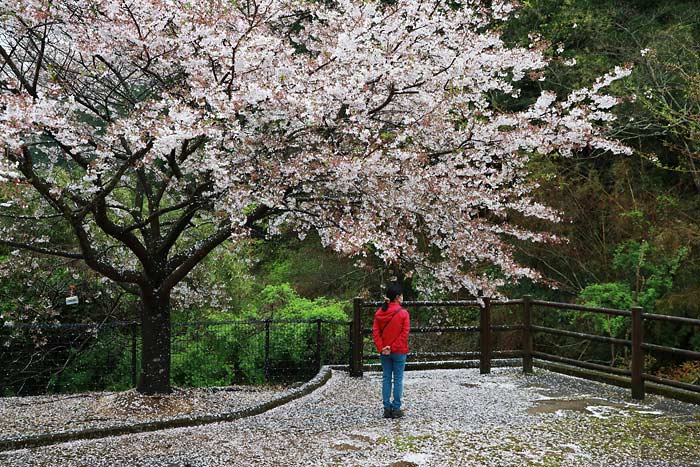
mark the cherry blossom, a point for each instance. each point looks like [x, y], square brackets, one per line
[159, 129]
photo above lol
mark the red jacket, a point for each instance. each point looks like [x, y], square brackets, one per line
[391, 328]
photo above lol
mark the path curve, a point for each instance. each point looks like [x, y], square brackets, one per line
[454, 417]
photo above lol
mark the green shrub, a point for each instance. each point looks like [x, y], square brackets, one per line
[214, 354]
[104, 365]
[217, 355]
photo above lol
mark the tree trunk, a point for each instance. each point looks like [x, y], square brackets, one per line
[155, 344]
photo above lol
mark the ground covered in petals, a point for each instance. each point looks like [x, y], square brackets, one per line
[454, 418]
[38, 415]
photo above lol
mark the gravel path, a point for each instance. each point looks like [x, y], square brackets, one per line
[454, 418]
[22, 416]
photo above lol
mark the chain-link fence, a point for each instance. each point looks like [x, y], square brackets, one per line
[39, 359]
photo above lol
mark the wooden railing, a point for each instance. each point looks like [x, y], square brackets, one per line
[527, 351]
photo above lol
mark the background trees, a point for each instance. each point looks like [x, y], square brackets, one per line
[631, 223]
[612, 203]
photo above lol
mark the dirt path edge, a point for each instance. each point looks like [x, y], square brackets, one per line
[175, 422]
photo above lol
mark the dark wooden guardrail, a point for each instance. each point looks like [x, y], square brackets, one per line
[636, 372]
[485, 330]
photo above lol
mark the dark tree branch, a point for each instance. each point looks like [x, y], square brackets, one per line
[180, 225]
[80, 160]
[98, 206]
[129, 288]
[186, 150]
[143, 223]
[180, 265]
[116, 178]
[172, 163]
[127, 238]
[39, 59]
[122, 82]
[18, 73]
[26, 166]
[387, 101]
[86, 246]
[44, 251]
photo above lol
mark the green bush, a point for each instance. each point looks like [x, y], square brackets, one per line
[201, 358]
[646, 275]
[609, 295]
[292, 345]
[214, 354]
[104, 365]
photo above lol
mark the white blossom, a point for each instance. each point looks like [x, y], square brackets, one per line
[371, 124]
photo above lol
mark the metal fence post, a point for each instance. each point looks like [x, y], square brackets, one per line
[527, 334]
[356, 339]
[133, 353]
[637, 364]
[318, 344]
[485, 337]
[349, 355]
[267, 349]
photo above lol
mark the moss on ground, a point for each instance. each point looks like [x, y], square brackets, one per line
[565, 440]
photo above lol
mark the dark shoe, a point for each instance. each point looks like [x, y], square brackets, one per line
[388, 413]
[397, 413]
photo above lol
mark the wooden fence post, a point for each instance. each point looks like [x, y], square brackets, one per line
[527, 334]
[485, 337]
[356, 339]
[637, 364]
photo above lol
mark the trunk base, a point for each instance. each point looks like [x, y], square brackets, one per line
[155, 346]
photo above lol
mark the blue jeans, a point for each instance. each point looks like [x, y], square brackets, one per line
[392, 364]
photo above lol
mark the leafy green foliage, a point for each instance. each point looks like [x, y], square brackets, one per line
[294, 345]
[310, 269]
[202, 357]
[282, 302]
[644, 276]
[652, 272]
[609, 295]
[221, 352]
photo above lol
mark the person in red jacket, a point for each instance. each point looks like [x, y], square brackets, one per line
[390, 332]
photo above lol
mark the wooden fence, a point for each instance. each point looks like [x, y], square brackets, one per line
[635, 374]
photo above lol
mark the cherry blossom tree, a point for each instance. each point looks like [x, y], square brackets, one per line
[155, 130]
